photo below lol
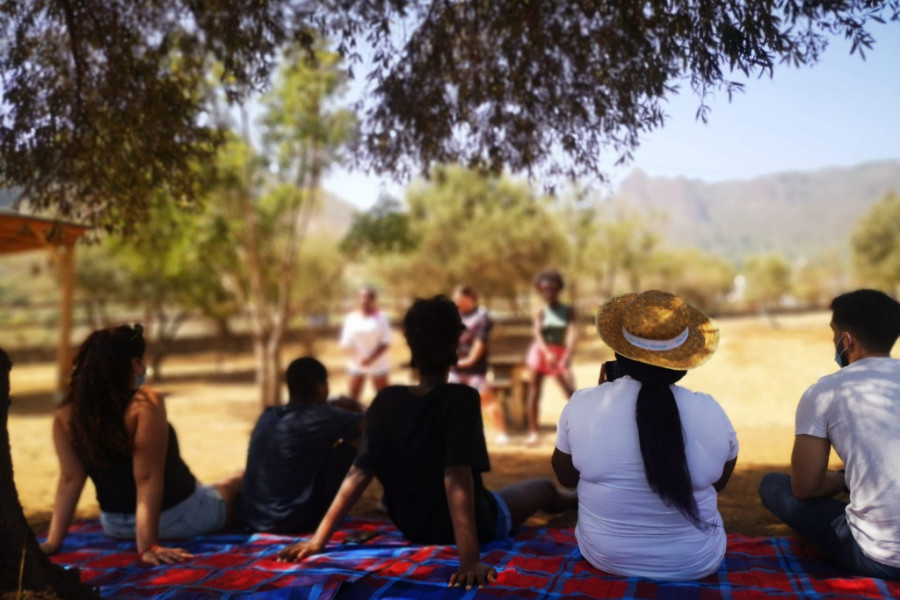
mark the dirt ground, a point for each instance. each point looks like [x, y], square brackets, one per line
[758, 374]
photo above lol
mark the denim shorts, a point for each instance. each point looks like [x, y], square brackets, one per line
[201, 512]
[504, 518]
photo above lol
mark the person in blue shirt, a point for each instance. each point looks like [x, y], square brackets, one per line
[299, 454]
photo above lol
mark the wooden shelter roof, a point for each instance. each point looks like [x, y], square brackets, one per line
[20, 233]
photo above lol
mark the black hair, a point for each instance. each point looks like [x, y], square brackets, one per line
[661, 437]
[304, 376]
[432, 329]
[466, 290]
[99, 392]
[872, 317]
[550, 276]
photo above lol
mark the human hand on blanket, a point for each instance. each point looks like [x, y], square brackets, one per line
[477, 574]
[49, 548]
[299, 551]
[158, 555]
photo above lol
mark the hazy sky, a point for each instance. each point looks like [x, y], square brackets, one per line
[841, 112]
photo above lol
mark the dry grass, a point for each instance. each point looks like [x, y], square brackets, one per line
[757, 375]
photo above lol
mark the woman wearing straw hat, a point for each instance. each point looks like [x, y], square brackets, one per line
[647, 456]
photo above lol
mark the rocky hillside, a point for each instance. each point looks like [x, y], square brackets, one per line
[797, 214]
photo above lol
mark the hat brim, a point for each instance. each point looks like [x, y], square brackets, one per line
[701, 343]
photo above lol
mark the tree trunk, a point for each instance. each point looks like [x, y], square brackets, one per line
[39, 573]
[268, 369]
[227, 339]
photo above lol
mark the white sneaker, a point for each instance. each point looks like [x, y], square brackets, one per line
[501, 439]
[533, 439]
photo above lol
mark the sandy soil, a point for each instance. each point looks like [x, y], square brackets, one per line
[757, 374]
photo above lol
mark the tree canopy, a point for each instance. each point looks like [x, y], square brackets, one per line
[462, 226]
[103, 101]
[876, 248]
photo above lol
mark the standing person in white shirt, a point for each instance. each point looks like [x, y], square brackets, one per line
[366, 336]
[648, 456]
[857, 412]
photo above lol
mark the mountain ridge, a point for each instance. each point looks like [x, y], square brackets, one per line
[799, 214]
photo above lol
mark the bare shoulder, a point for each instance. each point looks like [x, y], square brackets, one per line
[63, 415]
[146, 402]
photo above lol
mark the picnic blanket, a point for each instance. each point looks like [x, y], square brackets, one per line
[536, 563]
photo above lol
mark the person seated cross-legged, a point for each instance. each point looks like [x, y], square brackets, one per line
[857, 412]
[648, 456]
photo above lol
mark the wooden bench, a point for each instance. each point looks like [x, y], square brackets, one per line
[509, 381]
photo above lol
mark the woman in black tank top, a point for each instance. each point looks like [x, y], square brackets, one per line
[115, 431]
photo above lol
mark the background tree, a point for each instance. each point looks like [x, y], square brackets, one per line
[545, 87]
[581, 226]
[815, 282]
[702, 279]
[319, 284]
[625, 243]
[768, 280]
[382, 229]
[876, 247]
[169, 268]
[490, 232]
[270, 201]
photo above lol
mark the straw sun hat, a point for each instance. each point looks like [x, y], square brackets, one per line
[657, 328]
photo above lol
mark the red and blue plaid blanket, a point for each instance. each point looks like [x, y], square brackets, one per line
[536, 563]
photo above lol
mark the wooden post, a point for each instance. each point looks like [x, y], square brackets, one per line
[65, 264]
[64, 259]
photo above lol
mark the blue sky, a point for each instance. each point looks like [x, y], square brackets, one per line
[841, 112]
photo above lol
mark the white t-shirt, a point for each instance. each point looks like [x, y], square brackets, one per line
[362, 334]
[858, 410]
[623, 525]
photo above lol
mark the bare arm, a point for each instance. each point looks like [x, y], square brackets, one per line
[477, 351]
[536, 327]
[355, 483]
[72, 476]
[571, 337]
[810, 477]
[460, 489]
[727, 470]
[565, 470]
[378, 351]
[151, 439]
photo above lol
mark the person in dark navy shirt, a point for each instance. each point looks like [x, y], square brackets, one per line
[425, 443]
[299, 454]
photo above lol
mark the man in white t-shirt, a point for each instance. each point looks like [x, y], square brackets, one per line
[857, 412]
[366, 336]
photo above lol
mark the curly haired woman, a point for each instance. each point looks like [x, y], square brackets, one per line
[114, 430]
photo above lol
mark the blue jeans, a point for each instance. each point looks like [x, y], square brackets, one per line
[504, 518]
[823, 523]
[200, 513]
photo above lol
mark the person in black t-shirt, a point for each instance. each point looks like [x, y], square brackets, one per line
[426, 445]
[299, 454]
